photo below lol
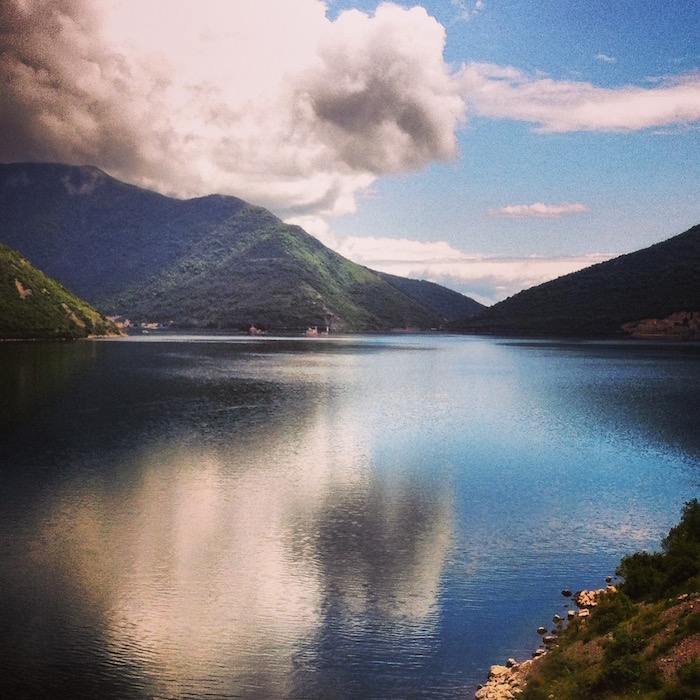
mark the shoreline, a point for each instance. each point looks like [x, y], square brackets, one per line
[505, 682]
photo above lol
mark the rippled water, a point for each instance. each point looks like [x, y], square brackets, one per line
[379, 517]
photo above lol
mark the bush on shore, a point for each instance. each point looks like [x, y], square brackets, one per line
[642, 641]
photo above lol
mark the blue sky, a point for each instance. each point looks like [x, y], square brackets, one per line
[639, 186]
[485, 144]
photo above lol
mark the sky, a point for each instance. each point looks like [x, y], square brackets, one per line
[488, 145]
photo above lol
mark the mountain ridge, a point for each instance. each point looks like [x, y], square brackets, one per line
[208, 262]
[607, 299]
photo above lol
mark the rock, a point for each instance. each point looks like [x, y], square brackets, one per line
[504, 682]
[550, 640]
[566, 593]
[498, 672]
[541, 630]
[608, 579]
[584, 613]
[557, 619]
[589, 599]
[571, 614]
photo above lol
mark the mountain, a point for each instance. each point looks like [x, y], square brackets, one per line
[33, 306]
[449, 304]
[213, 261]
[654, 291]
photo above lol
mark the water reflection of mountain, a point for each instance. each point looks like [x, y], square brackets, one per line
[31, 373]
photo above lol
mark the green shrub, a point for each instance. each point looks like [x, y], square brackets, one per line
[621, 674]
[687, 532]
[689, 674]
[558, 666]
[676, 568]
[622, 665]
[534, 691]
[690, 624]
[643, 575]
[682, 567]
[610, 612]
[623, 644]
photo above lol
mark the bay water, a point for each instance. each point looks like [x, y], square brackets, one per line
[352, 517]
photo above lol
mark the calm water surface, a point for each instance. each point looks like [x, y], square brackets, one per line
[378, 517]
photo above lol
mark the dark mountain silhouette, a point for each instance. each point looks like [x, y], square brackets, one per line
[447, 303]
[654, 291]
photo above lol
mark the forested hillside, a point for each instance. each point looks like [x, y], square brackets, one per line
[652, 283]
[213, 262]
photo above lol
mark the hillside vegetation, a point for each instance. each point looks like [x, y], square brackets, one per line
[642, 641]
[444, 301]
[652, 283]
[215, 261]
[33, 306]
[253, 269]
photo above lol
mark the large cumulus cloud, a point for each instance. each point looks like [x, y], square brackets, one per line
[270, 101]
[382, 93]
[63, 96]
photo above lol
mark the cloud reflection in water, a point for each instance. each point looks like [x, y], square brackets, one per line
[217, 565]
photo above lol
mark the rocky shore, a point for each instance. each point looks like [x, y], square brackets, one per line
[507, 682]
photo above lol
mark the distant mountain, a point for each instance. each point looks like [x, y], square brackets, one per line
[661, 282]
[213, 261]
[33, 306]
[448, 303]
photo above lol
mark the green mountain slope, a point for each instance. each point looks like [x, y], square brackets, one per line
[213, 261]
[33, 306]
[449, 304]
[254, 269]
[652, 283]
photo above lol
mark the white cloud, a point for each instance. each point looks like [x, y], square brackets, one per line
[269, 100]
[562, 105]
[315, 225]
[538, 210]
[486, 279]
[468, 10]
[605, 58]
